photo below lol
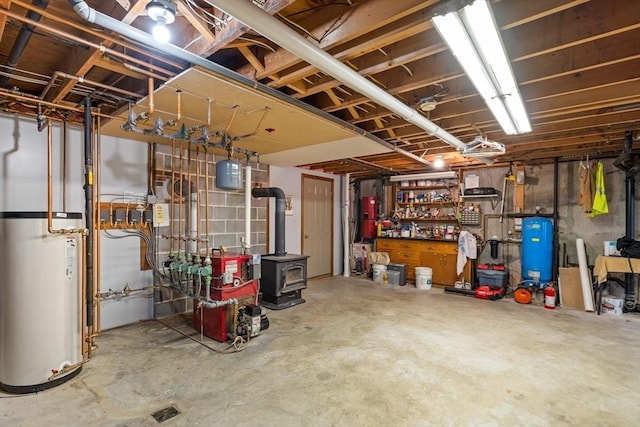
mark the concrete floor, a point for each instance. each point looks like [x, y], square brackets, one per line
[361, 354]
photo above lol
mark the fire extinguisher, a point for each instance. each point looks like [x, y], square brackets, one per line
[550, 297]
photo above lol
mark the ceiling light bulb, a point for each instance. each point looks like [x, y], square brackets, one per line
[438, 162]
[162, 9]
[163, 12]
[161, 32]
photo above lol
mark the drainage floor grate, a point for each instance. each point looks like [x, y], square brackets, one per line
[165, 414]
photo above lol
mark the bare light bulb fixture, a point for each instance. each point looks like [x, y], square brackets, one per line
[438, 163]
[163, 12]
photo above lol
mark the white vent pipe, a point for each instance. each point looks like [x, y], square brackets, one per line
[246, 245]
[278, 32]
[105, 21]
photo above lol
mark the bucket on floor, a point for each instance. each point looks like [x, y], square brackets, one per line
[379, 273]
[423, 277]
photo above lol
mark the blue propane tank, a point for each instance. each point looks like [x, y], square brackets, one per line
[537, 250]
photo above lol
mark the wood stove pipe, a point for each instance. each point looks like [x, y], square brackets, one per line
[280, 206]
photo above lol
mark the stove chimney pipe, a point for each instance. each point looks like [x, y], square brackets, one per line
[280, 206]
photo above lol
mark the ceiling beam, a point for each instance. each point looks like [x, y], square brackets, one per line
[594, 20]
[227, 34]
[365, 17]
[4, 4]
[80, 61]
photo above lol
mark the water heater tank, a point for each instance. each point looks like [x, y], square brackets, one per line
[537, 250]
[229, 175]
[40, 320]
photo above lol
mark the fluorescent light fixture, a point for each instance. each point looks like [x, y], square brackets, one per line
[482, 147]
[433, 175]
[472, 36]
[163, 12]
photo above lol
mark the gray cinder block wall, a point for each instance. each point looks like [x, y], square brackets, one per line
[225, 212]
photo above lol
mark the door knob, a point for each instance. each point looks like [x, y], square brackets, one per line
[306, 236]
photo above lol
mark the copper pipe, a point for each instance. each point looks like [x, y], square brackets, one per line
[179, 115]
[145, 72]
[83, 292]
[80, 79]
[180, 201]
[50, 228]
[64, 165]
[37, 101]
[188, 224]
[96, 196]
[171, 192]
[80, 40]
[151, 106]
[129, 46]
[198, 172]
[206, 198]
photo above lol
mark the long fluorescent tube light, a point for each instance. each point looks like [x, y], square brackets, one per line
[472, 36]
[434, 175]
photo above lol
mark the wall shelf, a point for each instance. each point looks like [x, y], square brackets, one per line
[428, 203]
[479, 196]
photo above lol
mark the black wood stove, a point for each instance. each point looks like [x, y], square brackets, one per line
[283, 275]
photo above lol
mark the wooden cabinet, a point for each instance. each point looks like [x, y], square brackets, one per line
[441, 256]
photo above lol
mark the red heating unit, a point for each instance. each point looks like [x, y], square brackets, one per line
[231, 279]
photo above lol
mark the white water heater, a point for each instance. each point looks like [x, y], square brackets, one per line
[40, 307]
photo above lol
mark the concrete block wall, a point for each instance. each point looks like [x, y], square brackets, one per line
[225, 213]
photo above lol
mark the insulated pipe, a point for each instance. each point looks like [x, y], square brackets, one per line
[105, 21]
[88, 210]
[293, 42]
[345, 225]
[247, 208]
[26, 31]
[280, 206]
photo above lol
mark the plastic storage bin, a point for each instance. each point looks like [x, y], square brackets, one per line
[493, 278]
[402, 269]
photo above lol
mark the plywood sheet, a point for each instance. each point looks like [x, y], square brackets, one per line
[571, 288]
[277, 130]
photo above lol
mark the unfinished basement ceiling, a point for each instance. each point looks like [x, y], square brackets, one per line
[577, 64]
[282, 134]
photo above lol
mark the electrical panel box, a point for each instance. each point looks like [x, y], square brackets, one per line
[147, 216]
[135, 217]
[118, 216]
[104, 216]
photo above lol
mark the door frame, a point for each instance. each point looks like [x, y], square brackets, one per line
[303, 193]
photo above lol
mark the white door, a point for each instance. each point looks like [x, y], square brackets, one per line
[317, 224]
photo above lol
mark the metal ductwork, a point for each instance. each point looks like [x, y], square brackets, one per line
[105, 21]
[23, 39]
[280, 207]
